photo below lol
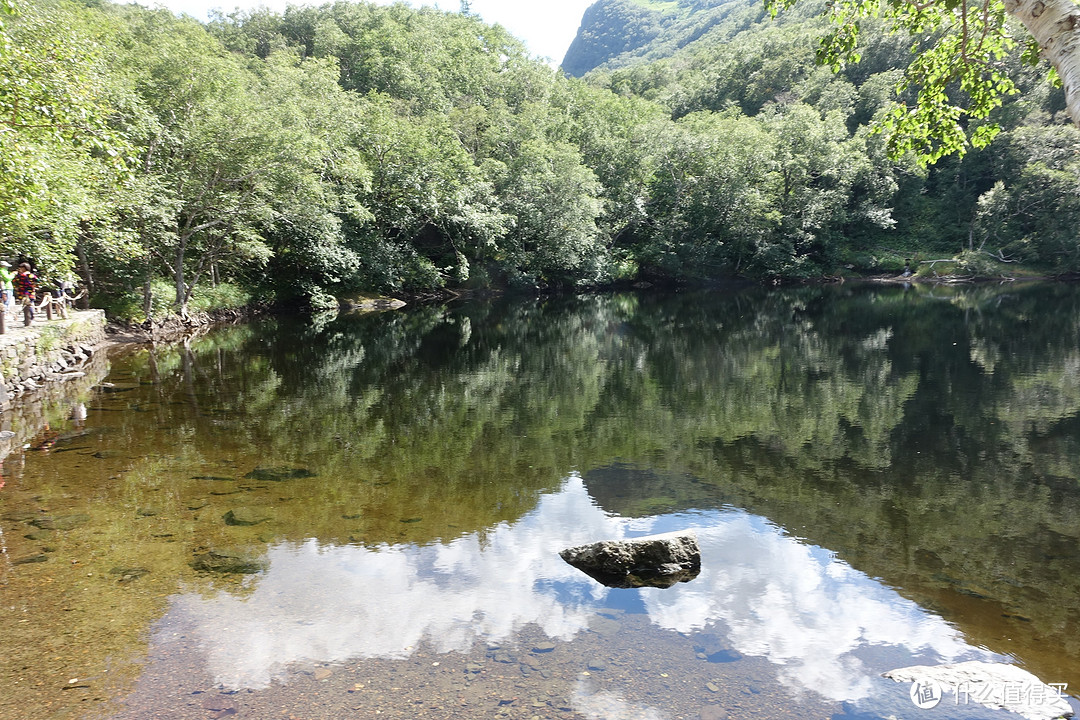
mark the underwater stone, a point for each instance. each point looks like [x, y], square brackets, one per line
[245, 516]
[227, 562]
[278, 474]
[128, 575]
[64, 522]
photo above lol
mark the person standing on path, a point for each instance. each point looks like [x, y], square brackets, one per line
[7, 277]
[26, 291]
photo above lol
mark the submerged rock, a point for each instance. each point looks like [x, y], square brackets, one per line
[245, 516]
[652, 561]
[994, 685]
[219, 706]
[227, 562]
[23, 517]
[278, 474]
[128, 575]
[605, 627]
[715, 649]
[63, 522]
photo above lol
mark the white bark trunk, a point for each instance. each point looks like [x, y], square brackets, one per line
[1055, 24]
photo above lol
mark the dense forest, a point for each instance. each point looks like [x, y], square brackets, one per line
[306, 155]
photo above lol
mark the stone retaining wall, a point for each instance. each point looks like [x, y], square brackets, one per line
[23, 424]
[47, 351]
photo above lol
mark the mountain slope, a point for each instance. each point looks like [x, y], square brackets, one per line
[614, 33]
[610, 28]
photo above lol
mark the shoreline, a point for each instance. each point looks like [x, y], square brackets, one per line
[176, 328]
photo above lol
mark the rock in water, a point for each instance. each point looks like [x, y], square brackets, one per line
[63, 522]
[278, 474]
[245, 516]
[227, 562]
[652, 561]
[994, 685]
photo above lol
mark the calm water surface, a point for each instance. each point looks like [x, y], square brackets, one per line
[360, 515]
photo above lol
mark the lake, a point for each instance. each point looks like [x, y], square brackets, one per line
[360, 515]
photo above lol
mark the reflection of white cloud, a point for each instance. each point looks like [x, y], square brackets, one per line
[798, 606]
[792, 603]
[606, 705]
[330, 604]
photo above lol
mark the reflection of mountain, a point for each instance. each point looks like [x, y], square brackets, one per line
[792, 603]
[906, 533]
[748, 557]
[633, 491]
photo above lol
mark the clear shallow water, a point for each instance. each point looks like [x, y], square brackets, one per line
[878, 477]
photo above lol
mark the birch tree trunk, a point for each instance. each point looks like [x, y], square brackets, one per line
[1055, 24]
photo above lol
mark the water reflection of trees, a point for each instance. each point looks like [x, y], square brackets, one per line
[927, 436]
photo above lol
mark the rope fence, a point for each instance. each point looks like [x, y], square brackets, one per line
[49, 303]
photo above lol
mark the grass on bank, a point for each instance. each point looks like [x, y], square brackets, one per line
[128, 308]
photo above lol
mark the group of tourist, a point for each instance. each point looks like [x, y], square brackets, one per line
[20, 287]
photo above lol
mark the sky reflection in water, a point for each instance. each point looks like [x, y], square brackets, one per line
[795, 604]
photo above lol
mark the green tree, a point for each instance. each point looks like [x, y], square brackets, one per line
[613, 134]
[433, 212]
[555, 202]
[228, 158]
[713, 195]
[61, 158]
[1032, 213]
[958, 74]
[307, 236]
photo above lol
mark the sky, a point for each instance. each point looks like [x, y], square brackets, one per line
[547, 28]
